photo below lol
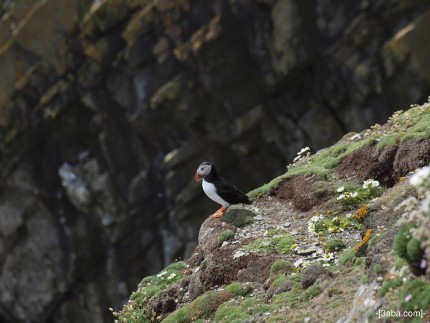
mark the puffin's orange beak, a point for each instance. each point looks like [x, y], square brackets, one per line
[197, 177]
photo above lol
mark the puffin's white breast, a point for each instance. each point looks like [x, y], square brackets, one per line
[210, 191]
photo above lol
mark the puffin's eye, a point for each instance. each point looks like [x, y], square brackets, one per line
[201, 168]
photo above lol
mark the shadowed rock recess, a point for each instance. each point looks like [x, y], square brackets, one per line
[107, 107]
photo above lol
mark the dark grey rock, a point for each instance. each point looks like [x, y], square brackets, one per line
[312, 274]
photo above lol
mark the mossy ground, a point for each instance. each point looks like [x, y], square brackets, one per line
[238, 216]
[335, 245]
[136, 311]
[207, 304]
[272, 242]
[225, 236]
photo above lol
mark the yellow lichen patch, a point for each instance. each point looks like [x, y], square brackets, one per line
[363, 240]
[361, 213]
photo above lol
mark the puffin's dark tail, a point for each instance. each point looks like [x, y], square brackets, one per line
[244, 199]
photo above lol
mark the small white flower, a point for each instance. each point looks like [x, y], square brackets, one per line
[328, 256]
[162, 274]
[370, 183]
[297, 158]
[298, 263]
[374, 184]
[340, 189]
[341, 196]
[356, 136]
[420, 176]
[171, 276]
[303, 150]
[355, 194]
[316, 218]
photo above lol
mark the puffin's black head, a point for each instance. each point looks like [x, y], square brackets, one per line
[203, 170]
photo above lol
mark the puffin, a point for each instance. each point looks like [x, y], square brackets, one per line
[218, 189]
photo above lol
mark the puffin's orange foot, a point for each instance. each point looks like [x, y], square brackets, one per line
[219, 213]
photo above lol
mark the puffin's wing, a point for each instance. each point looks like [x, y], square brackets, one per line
[230, 193]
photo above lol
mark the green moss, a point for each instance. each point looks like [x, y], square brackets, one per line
[346, 257]
[311, 292]
[399, 262]
[413, 124]
[332, 156]
[202, 307]
[267, 189]
[401, 241]
[182, 315]
[280, 281]
[281, 266]
[413, 249]
[296, 296]
[328, 225]
[419, 291]
[389, 284]
[151, 285]
[180, 265]
[240, 312]
[230, 313]
[290, 298]
[274, 232]
[238, 216]
[238, 289]
[336, 303]
[335, 245]
[359, 261]
[373, 240]
[364, 279]
[281, 244]
[405, 246]
[276, 318]
[308, 170]
[147, 288]
[225, 236]
[284, 243]
[389, 140]
[377, 268]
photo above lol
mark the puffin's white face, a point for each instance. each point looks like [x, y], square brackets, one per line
[202, 171]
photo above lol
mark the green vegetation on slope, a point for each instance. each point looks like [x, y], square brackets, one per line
[402, 126]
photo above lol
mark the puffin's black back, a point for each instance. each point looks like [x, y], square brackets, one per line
[225, 189]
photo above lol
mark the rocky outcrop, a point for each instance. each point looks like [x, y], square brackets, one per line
[288, 262]
[106, 107]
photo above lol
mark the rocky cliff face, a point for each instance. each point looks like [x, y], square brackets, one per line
[341, 237]
[106, 108]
